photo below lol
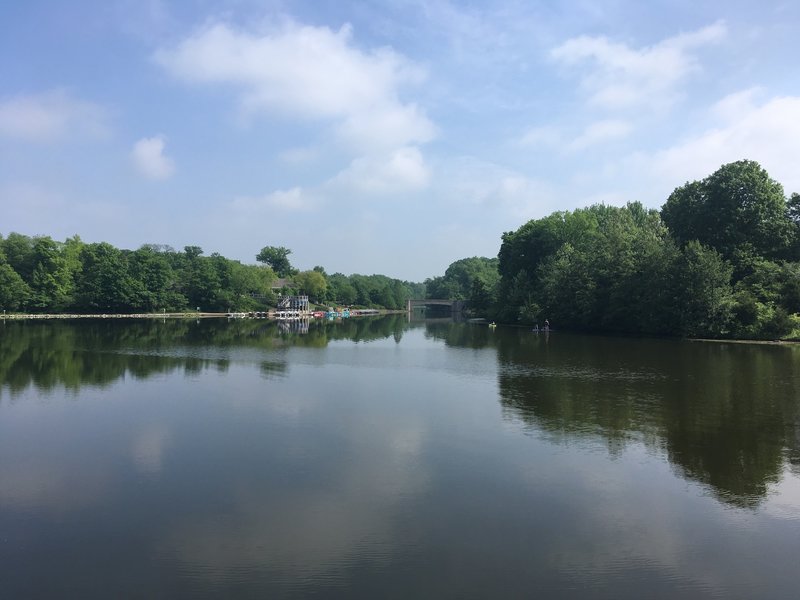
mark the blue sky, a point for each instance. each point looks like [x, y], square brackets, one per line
[377, 137]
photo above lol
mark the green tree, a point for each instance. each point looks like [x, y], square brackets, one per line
[156, 287]
[474, 279]
[18, 250]
[104, 282]
[276, 257]
[312, 283]
[737, 204]
[199, 280]
[14, 292]
[341, 290]
[480, 297]
[52, 285]
[705, 301]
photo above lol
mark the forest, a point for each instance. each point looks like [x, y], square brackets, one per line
[721, 259]
[41, 275]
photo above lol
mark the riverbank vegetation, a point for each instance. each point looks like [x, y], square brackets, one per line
[721, 259]
[41, 275]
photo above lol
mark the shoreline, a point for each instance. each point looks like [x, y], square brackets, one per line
[48, 316]
[161, 315]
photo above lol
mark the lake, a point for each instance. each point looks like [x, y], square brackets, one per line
[395, 459]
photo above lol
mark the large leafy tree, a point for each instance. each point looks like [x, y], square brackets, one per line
[14, 292]
[276, 257]
[703, 281]
[104, 282]
[51, 281]
[341, 290]
[18, 250]
[157, 285]
[312, 283]
[737, 204]
[474, 279]
[200, 280]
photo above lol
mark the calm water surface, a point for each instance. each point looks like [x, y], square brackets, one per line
[382, 458]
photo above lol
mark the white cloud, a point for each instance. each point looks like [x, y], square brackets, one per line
[312, 73]
[294, 199]
[49, 209]
[400, 171]
[542, 136]
[296, 156]
[50, 116]
[468, 181]
[737, 105]
[600, 132]
[768, 133]
[621, 77]
[148, 156]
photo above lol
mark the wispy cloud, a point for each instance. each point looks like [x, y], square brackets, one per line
[767, 132]
[299, 155]
[366, 178]
[149, 158]
[400, 171]
[291, 200]
[599, 132]
[51, 116]
[615, 76]
[312, 73]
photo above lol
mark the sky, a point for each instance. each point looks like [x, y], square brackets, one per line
[391, 136]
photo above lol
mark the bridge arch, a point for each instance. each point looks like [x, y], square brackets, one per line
[456, 306]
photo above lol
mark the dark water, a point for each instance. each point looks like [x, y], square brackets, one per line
[380, 458]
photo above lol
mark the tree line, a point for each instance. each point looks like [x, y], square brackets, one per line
[41, 275]
[720, 259]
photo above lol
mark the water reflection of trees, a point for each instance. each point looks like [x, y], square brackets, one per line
[46, 354]
[725, 415]
[460, 335]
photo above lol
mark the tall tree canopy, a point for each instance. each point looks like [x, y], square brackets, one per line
[276, 257]
[737, 205]
[459, 279]
[609, 268]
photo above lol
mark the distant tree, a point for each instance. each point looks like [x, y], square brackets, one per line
[276, 257]
[459, 281]
[312, 283]
[705, 301]
[793, 208]
[18, 250]
[157, 285]
[192, 252]
[14, 292]
[51, 281]
[480, 298]
[341, 290]
[793, 212]
[104, 282]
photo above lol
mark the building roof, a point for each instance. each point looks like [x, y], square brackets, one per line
[281, 282]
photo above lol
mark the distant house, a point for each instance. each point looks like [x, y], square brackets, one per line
[280, 283]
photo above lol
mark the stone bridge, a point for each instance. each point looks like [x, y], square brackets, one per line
[455, 306]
